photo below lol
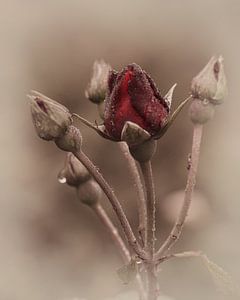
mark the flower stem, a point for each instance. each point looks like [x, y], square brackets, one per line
[152, 283]
[191, 181]
[114, 202]
[142, 209]
[146, 168]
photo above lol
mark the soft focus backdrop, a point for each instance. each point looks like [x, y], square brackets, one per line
[52, 248]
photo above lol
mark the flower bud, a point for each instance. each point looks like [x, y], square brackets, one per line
[71, 141]
[89, 192]
[133, 96]
[210, 83]
[96, 90]
[201, 111]
[74, 172]
[50, 118]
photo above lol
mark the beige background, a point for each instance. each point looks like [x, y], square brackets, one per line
[51, 248]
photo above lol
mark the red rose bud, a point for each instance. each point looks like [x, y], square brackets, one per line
[51, 119]
[210, 83]
[97, 88]
[132, 96]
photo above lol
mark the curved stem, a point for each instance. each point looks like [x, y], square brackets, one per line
[142, 209]
[114, 202]
[191, 181]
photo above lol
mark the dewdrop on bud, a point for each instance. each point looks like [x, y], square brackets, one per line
[50, 118]
[97, 88]
[71, 141]
[89, 192]
[210, 83]
[74, 172]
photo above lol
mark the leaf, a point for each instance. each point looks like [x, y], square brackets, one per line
[221, 278]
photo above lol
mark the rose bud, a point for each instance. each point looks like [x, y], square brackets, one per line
[73, 172]
[210, 83]
[201, 111]
[89, 192]
[50, 118]
[132, 96]
[71, 141]
[97, 88]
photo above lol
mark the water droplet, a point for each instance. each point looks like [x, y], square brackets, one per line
[62, 178]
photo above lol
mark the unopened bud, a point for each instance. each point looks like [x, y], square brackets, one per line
[201, 111]
[74, 172]
[145, 151]
[210, 83]
[97, 88]
[50, 118]
[71, 141]
[89, 192]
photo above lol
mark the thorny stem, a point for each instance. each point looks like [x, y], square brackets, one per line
[153, 290]
[142, 210]
[114, 202]
[191, 181]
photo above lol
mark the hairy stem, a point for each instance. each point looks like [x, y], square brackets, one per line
[114, 202]
[151, 203]
[142, 209]
[191, 181]
[152, 283]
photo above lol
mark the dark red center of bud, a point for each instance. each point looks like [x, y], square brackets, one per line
[133, 96]
[41, 105]
[124, 109]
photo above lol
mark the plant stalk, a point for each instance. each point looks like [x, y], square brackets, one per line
[152, 282]
[114, 202]
[142, 209]
[191, 181]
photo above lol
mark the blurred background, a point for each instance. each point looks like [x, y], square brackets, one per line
[53, 248]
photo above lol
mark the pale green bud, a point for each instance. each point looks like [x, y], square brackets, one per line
[97, 88]
[210, 83]
[51, 119]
